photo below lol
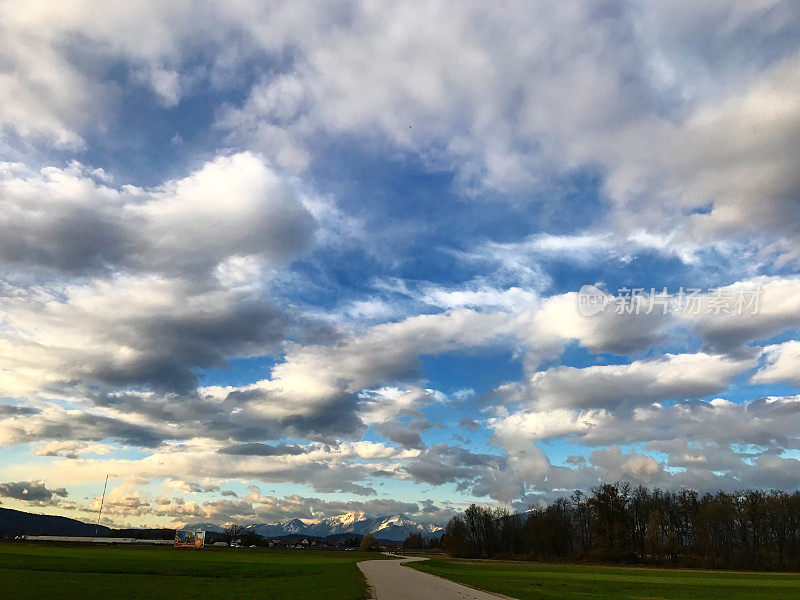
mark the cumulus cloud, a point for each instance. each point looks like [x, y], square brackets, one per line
[559, 321]
[617, 466]
[640, 382]
[386, 404]
[193, 487]
[233, 206]
[345, 467]
[53, 422]
[318, 390]
[669, 142]
[117, 297]
[637, 93]
[132, 330]
[175, 273]
[46, 98]
[123, 500]
[764, 421]
[716, 444]
[781, 364]
[775, 308]
[443, 463]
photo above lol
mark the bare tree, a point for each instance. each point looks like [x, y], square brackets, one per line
[233, 532]
[616, 523]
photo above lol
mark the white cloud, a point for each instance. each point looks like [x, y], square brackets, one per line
[782, 364]
[513, 299]
[232, 206]
[543, 90]
[386, 404]
[559, 321]
[71, 449]
[769, 422]
[122, 500]
[344, 467]
[616, 466]
[776, 309]
[384, 352]
[703, 440]
[505, 99]
[675, 377]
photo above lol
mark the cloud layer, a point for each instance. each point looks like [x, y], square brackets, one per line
[334, 252]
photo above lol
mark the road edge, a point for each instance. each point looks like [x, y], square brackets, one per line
[472, 587]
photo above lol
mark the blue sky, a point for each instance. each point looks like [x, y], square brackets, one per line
[264, 262]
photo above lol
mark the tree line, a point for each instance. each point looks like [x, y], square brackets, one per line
[416, 541]
[617, 523]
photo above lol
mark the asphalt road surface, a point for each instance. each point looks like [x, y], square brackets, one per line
[390, 580]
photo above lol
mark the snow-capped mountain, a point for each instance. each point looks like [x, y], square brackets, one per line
[279, 528]
[393, 527]
[204, 527]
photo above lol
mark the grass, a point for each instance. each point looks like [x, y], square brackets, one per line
[532, 581]
[29, 571]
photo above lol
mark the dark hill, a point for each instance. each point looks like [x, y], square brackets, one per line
[16, 522]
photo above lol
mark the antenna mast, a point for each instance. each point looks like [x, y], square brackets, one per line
[99, 514]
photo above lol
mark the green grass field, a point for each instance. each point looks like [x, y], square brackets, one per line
[29, 571]
[530, 581]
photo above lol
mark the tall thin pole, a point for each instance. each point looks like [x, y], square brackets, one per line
[99, 514]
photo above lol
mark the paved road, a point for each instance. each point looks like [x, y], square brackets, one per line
[390, 580]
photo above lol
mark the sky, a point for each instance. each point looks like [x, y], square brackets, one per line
[261, 261]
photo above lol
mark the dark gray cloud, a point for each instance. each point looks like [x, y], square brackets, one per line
[430, 511]
[147, 332]
[443, 463]
[173, 270]
[147, 419]
[69, 238]
[31, 491]
[16, 411]
[407, 434]
[197, 488]
[335, 417]
[54, 423]
[175, 346]
[405, 437]
[468, 424]
[257, 449]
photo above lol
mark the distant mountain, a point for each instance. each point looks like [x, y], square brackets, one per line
[205, 527]
[16, 522]
[393, 528]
